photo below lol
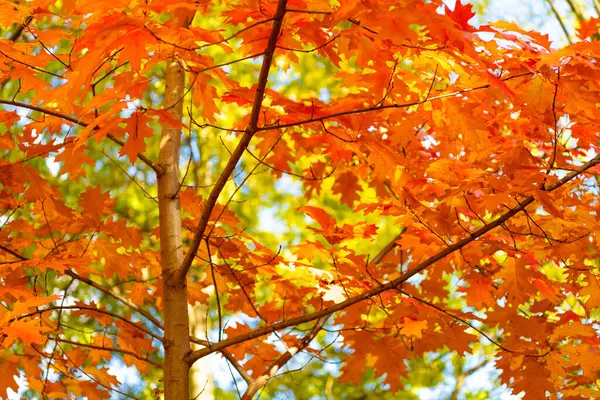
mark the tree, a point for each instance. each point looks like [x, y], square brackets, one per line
[435, 180]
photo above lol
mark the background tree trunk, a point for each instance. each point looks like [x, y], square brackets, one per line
[201, 376]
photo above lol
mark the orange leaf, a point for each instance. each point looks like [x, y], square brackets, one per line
[412, 327]
[348, 186]
[138, 129]
[27, 331]
[480, 292]
[320, 216]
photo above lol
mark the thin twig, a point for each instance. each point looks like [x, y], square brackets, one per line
[111, 349]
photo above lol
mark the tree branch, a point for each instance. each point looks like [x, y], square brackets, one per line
[461, 320]
[255, 384]
[384, 107]
[575, 10]
[101, 288]
[13, 253]
[111, 349]
[388, 247]
[242, 144]
[117, 296]
[93, 309]
[228, 356]
[74, 120]
[195, 355]
[462, 375]
[560, 21]
[17, 32]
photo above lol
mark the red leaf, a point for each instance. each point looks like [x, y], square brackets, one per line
[461, 14]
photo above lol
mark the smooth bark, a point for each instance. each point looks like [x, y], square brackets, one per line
[175, 297]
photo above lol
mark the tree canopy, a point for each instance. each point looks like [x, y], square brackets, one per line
[286, 185]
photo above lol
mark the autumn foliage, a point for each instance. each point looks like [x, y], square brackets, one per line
[443, 179]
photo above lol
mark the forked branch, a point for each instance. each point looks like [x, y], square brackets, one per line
[211, 201]
[254, 385]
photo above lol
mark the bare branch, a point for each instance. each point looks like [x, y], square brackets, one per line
[310, 50]
[462, 321]
[575, 10]
[17, 32]
[292, 10]
[560, 21]
[388, 247]
[255, 385]
[13, 253]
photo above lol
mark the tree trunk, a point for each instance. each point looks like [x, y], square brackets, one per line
[176, 337]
